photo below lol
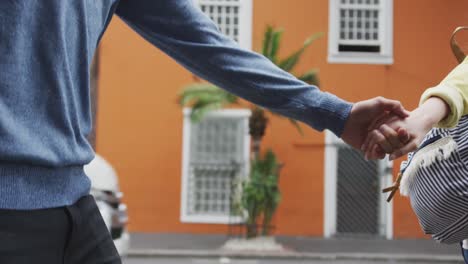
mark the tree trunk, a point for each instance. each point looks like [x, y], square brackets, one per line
[256, 143]
[267, 217]
[251, 227]
[257, 127]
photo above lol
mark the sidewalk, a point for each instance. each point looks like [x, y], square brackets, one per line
[208, 246]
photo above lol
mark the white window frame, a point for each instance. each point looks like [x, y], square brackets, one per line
[225, 113]
[245, 20]
[385, 56]
[330, 189]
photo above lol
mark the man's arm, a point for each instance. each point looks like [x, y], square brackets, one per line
[182, 31]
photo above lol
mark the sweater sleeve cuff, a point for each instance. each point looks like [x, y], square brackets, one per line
[335, 113]
[451, 96]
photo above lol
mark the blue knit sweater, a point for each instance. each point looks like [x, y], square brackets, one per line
[46, 48]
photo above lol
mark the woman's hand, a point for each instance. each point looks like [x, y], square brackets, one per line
[396, 136]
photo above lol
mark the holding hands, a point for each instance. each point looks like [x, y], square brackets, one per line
[445, 104]
[398, 135]
[365, 115]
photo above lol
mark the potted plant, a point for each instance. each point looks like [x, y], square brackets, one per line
[260, 194]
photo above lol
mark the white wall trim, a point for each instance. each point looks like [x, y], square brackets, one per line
[211, 219]
[185, 164]
[333, 29]
[331, 171]
[385, 56]
[224, 113]
[359, 58]
[387, 210]
[247, 144]
[246, 24]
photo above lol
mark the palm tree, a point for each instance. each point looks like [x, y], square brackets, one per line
[204, 97]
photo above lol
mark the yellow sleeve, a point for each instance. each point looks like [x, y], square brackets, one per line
[454, 91]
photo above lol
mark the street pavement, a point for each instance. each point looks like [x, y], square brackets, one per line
[206, 249]
[141, 241]
[245, 261]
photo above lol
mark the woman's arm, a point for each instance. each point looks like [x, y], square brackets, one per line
[453, 90]
[441, 106]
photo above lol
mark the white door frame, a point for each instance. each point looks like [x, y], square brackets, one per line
[330, 186]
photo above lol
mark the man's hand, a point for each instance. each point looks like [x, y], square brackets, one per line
[366, 113]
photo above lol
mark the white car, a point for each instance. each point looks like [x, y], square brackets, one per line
[105, 189]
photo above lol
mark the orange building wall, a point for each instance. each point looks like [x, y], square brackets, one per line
[140, 125]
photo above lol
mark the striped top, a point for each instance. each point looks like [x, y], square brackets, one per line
[436, 176]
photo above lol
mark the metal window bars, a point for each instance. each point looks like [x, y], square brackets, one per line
[359, 22]
[358, 194]
[216, 162]
[225, 13]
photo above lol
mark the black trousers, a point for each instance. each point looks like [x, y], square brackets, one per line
[68, 235]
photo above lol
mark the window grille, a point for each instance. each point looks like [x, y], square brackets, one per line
[359, 25]
[354, 204]
[216, 157]
[233, 18]
[361, 31]
[358, 194]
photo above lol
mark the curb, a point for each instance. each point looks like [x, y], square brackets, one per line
[290, 255]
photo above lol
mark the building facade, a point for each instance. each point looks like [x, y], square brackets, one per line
[391, 48]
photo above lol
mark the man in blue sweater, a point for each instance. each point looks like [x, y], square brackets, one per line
[46, 48]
